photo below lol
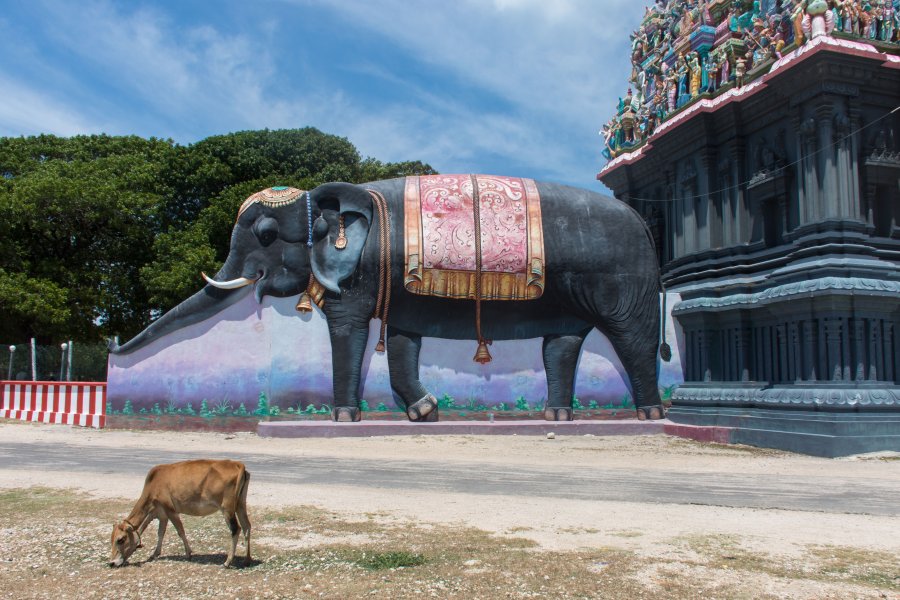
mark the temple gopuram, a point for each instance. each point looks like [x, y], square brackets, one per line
[759, 140]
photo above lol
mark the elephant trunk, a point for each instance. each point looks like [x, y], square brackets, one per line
[202, 305]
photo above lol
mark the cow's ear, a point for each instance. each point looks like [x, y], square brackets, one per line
[129, 528]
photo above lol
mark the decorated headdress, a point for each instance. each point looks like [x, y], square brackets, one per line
[273, 197]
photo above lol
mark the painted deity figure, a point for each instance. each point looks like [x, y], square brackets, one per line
[740, 69]
[696, 75]
[797, 20]
[671, 90]
[817, 20]
[887, 31]
[712, 70]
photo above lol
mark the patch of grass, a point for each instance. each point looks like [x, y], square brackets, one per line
[57, 544]
[865, 567]
[830, 564]
[379, 561]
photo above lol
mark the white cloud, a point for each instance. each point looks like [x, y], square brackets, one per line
[25, 111]
[551, 70]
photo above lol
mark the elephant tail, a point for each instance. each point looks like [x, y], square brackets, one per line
[665, 351]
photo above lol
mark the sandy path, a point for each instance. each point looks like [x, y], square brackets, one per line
[650, 528]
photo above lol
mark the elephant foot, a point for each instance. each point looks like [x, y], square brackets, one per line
[346, 414]
[558, 413]
[424, 410]
[651, 413]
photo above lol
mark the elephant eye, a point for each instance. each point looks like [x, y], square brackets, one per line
[266, 230]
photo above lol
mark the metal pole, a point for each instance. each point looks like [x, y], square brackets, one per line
[62, 360]
[69, 368]
[12, 352]
[33, 359]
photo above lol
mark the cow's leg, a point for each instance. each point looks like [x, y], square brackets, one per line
[403, 364]
[160, 532]
[245, 525]
[560, 362]
[232, 521]
[176, 521]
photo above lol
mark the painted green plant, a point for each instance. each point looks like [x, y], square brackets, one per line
[128, 409]
[156, 410]
[593, 405]
[223, 408]
[204, 408]
[381, 407]
[522, 403]
[262, 405]
[576, 404]
[189, 410]
[241, 411]
[363, 406]
[446, 401]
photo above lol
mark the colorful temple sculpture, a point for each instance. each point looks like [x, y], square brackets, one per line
[761, 143]
[685, 50]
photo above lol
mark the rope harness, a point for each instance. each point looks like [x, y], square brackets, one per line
[383, 302]
[482, 355]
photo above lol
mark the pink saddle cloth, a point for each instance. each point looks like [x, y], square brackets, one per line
[440, 237]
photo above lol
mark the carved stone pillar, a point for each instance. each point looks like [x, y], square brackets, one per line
[833, 340]
[739, 195]
[809, 181]
[809, 355]
[782, 363]
[875, 346]
[859, 349]
[743, 352]
[825, 162]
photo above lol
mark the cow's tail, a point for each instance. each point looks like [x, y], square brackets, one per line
[240, 498]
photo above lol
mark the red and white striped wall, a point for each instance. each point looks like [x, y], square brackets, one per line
[66, 403]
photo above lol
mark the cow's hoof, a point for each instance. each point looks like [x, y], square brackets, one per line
[650, 413]
[558, 413]
[424, 410]
[346, 414]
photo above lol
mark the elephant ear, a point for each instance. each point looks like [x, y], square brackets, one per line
[331, 265]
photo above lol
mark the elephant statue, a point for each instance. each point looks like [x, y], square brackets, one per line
[343, 245]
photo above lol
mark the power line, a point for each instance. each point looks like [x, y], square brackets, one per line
[774, 172]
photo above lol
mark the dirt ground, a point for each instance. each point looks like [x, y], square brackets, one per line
[468, 545]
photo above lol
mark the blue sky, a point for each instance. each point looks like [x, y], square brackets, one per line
[510, 87]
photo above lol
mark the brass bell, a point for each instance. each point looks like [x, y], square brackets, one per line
[482, 356]
[305, 304]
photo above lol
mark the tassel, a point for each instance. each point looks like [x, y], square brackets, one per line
[305, 304]
[482, 356]
[379, 347]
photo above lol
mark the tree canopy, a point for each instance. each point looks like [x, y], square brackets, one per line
[100, 233]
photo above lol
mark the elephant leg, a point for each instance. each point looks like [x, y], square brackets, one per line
[637, 349]
[403, 365]
[560, 361]
[348, 346]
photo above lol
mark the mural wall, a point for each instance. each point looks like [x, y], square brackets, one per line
[225, 363]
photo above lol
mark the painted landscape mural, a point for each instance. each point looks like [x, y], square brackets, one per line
[269, 359]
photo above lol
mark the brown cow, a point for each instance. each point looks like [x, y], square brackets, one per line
[192, 487]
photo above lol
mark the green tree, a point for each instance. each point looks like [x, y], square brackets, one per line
[99, 234]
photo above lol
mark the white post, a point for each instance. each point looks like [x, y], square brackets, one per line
[12, 353]
[69, 368]
[33, 359]
[62, 360]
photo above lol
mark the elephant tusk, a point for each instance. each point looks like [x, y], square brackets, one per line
[229, 285]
